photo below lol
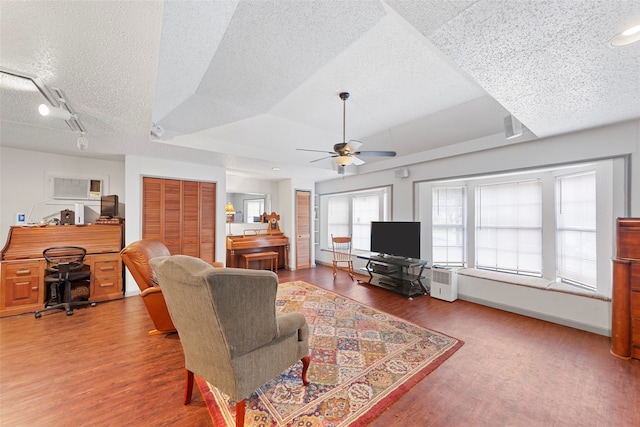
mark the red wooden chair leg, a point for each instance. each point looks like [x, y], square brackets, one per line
[240, 413]
[188, 389]
[305, 366]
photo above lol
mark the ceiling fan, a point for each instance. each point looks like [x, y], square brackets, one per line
[345, 152]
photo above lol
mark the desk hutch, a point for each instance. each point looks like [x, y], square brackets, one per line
[22, 267]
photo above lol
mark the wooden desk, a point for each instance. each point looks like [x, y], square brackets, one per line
[22, 267]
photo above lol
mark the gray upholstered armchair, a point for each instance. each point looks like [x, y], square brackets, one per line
[231, 333]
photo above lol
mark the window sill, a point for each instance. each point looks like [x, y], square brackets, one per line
[531, 282]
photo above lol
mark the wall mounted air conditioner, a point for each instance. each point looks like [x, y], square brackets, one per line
[444, 283]
[73, 188]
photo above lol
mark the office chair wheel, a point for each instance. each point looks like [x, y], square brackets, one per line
[69, 312]
[38, 315]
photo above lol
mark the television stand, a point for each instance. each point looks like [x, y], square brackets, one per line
[394, 274]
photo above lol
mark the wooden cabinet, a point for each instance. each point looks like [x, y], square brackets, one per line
[625, 305]
[22, 268]
[106, 277]
[22, 286]
[181, 214]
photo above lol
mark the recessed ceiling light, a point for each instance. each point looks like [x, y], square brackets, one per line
[628, 36]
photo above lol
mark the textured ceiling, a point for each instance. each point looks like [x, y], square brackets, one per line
[243, 84]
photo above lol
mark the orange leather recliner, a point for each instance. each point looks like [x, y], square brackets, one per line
[136, 257]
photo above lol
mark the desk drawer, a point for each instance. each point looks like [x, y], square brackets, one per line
[23, 269]
[106, 268]
[106, 277]
[104, 288]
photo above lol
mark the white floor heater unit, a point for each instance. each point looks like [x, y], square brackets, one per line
[444, 283]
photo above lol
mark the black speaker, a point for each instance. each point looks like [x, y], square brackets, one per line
[67, 217]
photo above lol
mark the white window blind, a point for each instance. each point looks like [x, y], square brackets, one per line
[448, 225]
[576, 229]
[365, 209]
[509, 227]
[338, 217]
[351, 213]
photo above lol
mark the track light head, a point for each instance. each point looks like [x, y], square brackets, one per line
[58, 113]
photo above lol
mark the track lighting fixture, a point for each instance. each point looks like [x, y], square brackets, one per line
[58, 113]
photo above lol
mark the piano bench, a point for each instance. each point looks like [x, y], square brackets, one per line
[259, 256]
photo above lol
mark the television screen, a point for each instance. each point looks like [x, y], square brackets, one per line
[109, 206]
[396, 238]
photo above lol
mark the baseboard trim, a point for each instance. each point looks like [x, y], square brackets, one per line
[536, 315]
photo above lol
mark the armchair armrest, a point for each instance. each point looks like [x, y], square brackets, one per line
[151, 290]
[289, 323]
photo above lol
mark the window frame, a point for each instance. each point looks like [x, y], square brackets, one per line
[384, 213]
[448, 226]
[612, 202]
[517, 229]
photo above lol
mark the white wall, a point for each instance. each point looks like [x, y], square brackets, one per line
[452, 162]
[138, 167]
[22, 183]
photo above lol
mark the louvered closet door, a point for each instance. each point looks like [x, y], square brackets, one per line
[173, 215]
[190, 221]
[152, 217]
[303, 229]
[207, 221]
[181, 214]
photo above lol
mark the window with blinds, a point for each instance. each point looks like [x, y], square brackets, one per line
[509, 227]
[576, 229]
[366, 208]
[350, 214]
[448, 225]
[338, 216]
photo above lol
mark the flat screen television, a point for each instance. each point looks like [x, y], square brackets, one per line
[109, 206]
[401, 239]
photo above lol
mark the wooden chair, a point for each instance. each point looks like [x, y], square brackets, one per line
[231, 333]
[342, 254]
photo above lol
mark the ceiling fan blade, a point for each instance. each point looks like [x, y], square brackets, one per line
[322, 158]
[376, 153]
[315, 151]
[357, 161]
[353, 145]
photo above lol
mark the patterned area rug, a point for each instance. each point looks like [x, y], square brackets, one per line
[362, 360]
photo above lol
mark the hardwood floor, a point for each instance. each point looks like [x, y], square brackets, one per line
[99, 367]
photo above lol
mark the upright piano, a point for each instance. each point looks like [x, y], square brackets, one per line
[243, 244]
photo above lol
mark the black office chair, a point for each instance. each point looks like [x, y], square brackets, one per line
[64, 265]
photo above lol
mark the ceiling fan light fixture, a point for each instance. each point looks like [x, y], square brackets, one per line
[344, 160]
